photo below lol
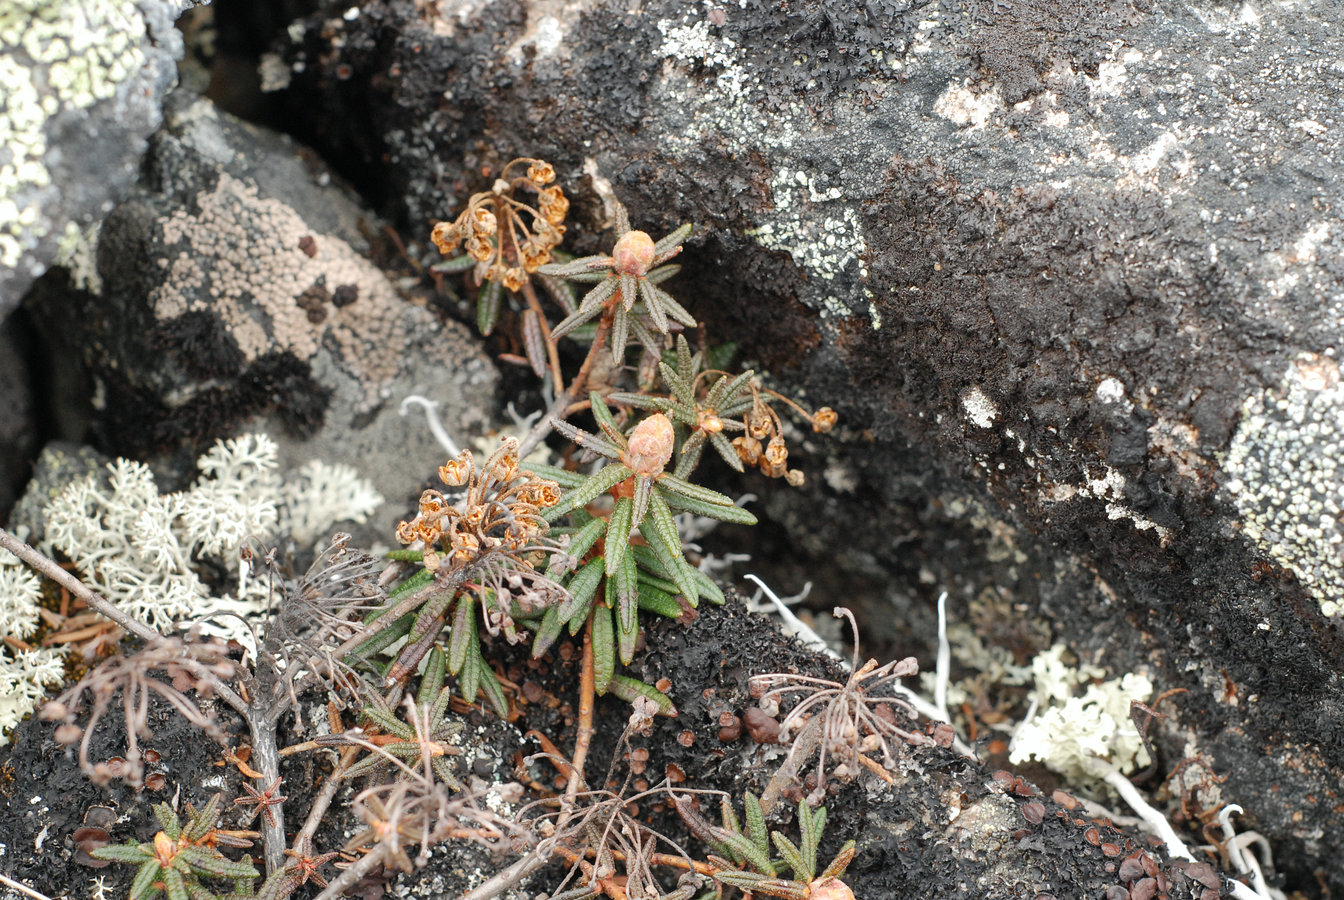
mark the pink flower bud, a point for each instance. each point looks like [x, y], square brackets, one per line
[651, 443]
[633, 254]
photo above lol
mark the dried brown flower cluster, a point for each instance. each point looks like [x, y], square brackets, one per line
[492, 231]
[772, 458]
[501, 509]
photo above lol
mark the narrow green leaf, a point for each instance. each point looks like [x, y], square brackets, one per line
[627, 611]
[124, 853]
[675, 239]
[597, 484]
[561, 291]
[658, 602]
[431, 682]
[810, 826]
[490, 686]
[727, 452]
[143, 886]
[604, 648]
[167, 820]
[726, 388]
[640, 401]
[756, 827]
[177, 888]
[620, 334]
[563, 477]
[629, 291]
[643, 495]
[662, 273]
[470, 678]
[406, 555]
[463, 636]
[653, 305]
[685, 365]
[688, 457]
[758, 860]
[213, 864]
[570, 267]
[686, 489]
[649, 561]
[456, 264]
[628, 689]
[678, 381]
[384, 638]
[729, 817]
[601, 412]
[793, 858]
[487, 306]
[672, 306]
[582, 586]
[546, 636]
[647, 578]
[677, 568]
[664, 527]
[387, 722]
[735, 515]
[618, 534]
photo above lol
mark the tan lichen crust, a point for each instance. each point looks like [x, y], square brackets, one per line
[278, 285]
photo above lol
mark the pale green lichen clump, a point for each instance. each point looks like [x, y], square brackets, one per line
[1081, 736]
[24, 674]
[81, 52]
[141, 548]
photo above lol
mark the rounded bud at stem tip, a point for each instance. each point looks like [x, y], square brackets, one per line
[830, 889]
[651, 444]
[633, 254]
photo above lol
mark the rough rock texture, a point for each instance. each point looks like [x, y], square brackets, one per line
[1072, 279]
[84, 85]
[18, 429]
[234, 291]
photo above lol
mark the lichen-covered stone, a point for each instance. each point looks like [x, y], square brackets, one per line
[235, 292]
[83, 82]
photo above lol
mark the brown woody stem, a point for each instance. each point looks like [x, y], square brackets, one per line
[583, 737]
[561, 407]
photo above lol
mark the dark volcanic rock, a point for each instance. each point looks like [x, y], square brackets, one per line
[84, 83]
[235, 291]
[1071, 278]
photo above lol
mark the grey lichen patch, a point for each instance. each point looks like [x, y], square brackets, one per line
[276, 284]
[90, 71]
[53, 57]
[811, 219]
[1285, 475]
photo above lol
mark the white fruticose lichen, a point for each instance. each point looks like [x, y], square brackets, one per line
[1081, 736]
[1284, 473]
[141, 548]
[24, 676]
[325, 493]
[19, 593]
